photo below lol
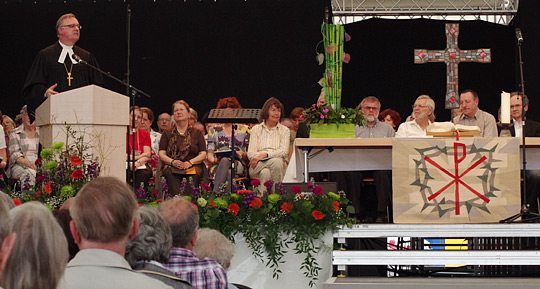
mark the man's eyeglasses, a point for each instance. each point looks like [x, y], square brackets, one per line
[418, 105]
[73, 26]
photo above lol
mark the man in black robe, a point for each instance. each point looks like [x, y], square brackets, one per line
[55, 69]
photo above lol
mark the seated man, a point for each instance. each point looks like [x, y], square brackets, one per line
[374, 128]
[104, 218]
[183, 219]
[423, 112]
[472, 116]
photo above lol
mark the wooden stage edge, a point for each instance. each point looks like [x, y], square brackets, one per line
[435, 282]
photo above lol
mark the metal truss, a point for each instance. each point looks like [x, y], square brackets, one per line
[496, 11]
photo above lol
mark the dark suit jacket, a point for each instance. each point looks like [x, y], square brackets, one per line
[532, 128]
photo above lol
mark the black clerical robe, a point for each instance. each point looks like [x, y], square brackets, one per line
[46, 71]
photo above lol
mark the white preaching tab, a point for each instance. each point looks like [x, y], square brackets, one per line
[66, 50]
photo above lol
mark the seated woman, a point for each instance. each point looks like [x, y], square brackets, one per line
[269, 145]
[4, 142]
[219, 139]
[143, 149]
[391, 117]
[40, 253]
[182, 150]
[23, 150]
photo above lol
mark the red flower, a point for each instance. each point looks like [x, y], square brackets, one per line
[286, 207]
[205, 186]
[212, 203]
[318, 190]
[240, 192]
[197, 208]
[17, 202]
[335, 206]
[47, 188]
[38, 194]
[256, 203]
[140, 205]
[234, 208]
[296, 189]
[317, 215]
[255, 182]
[158, 201]
[77, 174]
[155, 193]
[76, 161]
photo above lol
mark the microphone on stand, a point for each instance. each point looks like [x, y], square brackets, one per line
[519, 36]
[79, 59]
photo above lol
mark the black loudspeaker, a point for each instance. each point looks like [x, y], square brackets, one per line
[327, 186]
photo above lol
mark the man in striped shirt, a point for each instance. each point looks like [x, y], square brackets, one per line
[183, 219]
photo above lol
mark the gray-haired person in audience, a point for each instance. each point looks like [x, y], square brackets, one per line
[40, 254]
[214, 245]
[104, 217]
[151, 247]
[6, 199]
[7, 238]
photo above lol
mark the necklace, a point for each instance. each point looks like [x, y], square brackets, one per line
[69, 77]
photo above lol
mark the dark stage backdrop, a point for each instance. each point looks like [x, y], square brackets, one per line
[201, 51]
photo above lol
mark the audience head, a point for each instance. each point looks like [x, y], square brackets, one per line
[147, 118]
[228, 102]
[214, 245]
[468, 102]
[164, 122]
[391, 117]
[8, 123]
[518, 103]
[138, 116]
[287, 122]
[295, 115]
[183, 220]
[181, 111]
[18, 120]
[321, 100]
[7, 237]
[6, 199]
[370, 106]
[40, 254]
[272, 111]
[423, 108]
[104, 211]
[153, 242]
[24, 117]
[63, 217]
[193, 116]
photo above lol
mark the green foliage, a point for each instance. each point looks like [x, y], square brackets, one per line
[326, 114]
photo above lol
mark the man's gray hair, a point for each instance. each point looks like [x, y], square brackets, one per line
[40, 254]
[368, 99]
[183, 219]
[430, 103]
[525, 98]
[153, 242]
[4, 222]
[61, 19]
[6, 199]
[212, 244]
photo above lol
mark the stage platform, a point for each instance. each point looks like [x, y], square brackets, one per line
[438, 282]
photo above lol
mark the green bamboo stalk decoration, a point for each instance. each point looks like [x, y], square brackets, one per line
[333, 38]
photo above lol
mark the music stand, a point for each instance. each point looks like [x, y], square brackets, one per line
[234, 116]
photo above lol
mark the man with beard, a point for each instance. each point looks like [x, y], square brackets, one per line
[351, 182]
[423, 109]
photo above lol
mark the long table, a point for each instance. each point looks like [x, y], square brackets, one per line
[348, 154]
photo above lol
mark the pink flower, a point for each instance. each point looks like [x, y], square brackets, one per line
[322, 116]
[205, 186]
[318, 190]
[77, 174]
[255, 182]
[325, 110]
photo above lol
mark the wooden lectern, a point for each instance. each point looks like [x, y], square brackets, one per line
[99, 114]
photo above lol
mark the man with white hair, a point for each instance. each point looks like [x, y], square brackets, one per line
[423, 114]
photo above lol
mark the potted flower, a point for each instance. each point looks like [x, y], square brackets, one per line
[326, 122]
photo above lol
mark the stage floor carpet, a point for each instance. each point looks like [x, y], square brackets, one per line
[436, 282]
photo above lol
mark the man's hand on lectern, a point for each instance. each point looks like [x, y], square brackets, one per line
[50, 91]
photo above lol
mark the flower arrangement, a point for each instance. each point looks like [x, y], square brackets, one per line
[61, 171]
[321, 114]
[270, 222]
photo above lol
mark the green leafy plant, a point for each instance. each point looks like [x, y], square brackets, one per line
[272, 223]
[321, 114]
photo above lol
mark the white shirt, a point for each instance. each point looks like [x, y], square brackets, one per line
[518, 128]
[411, 129]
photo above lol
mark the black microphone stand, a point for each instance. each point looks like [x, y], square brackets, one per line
[525, 214]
